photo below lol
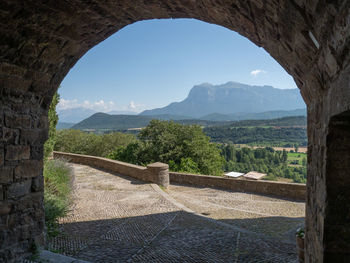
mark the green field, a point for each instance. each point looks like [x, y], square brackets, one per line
[296, 159]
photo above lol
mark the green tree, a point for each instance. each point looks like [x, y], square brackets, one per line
[76, 141]
[53, 119]
[303, 161]
[296, 147]
[284, 156]
[183, 147]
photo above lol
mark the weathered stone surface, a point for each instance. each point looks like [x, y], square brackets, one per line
[6, 175]
[17, 152]
[39, 43]
[160, 173]
[10, 136]
[19, 189]
[2, 153]
[17, 121]
[28, 169]
[38, 184]
[5, 209]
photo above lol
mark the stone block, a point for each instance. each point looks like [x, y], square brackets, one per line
[17, 152]
[28, 169]
[5, 208]
[6, 175]
[10, 136]
[159, 173]
[37, 152]
[17, 121]
[19, 189]
[38, 183]
[33, 137]
[42, 123]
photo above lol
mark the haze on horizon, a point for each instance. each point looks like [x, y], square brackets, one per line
[152, 63]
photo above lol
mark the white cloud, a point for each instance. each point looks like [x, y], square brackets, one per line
[100, 105]
[135, 107]
[256, 72]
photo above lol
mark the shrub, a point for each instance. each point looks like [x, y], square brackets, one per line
[57, 195]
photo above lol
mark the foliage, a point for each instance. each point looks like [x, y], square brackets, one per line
[53, 119]
[102, 122]
[272, 136]
[264, 160]
[185, 148]
[75, 141]
[58, 187]
[297, 159]
[300, 232]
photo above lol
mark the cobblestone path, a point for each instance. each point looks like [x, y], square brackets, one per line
[119, 219]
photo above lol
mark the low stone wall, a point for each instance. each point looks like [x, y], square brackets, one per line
[159, 173]
[280, 189]
[156, 173]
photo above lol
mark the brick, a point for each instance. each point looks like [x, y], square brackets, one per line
[28, 169]
[17, 152]
[19, 189]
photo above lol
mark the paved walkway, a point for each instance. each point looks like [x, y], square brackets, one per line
[119, 219]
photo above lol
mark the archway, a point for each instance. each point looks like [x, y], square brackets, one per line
[40, 42]
[337, 210]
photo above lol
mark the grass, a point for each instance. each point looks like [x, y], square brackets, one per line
[57, 196]
[296, 159]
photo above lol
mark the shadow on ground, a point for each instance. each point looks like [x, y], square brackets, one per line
[172, 237]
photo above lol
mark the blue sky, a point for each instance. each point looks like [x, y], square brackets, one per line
[152, 63]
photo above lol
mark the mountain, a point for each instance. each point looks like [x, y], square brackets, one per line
[123, 122]
[253, 116]
[232, 98]
[74, 115]
[120, 122]
[121, 112]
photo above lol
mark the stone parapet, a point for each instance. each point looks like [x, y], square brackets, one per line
[159, 173]
[156, 173]
[280, 189]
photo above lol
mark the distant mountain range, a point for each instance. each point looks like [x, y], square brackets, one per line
[120, 122]
[205, 105]
[75, 115]
[123, 122]
[232, 98]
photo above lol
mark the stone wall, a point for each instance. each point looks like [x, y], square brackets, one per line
[280, 189]
[156, 173]
[22, 134]
[285, 190]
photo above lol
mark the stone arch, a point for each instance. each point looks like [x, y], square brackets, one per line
[41, 41]
[337, 210]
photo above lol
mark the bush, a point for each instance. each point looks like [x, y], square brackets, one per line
[76, 141]
[57, 195]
